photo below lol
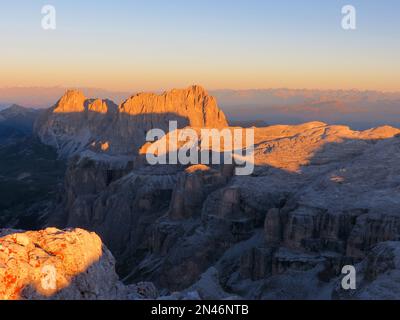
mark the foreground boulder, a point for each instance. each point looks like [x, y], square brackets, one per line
[66, 265]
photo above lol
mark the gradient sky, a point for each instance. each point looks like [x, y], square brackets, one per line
[237, 44]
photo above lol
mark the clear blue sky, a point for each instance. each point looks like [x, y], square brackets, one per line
[220, 44]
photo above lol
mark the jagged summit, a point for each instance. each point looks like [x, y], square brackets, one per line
[192, 103]
[71, 101]
[196, 89]
[74, 101]
[77, 123]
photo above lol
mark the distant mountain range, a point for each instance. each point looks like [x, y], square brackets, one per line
[17, 122]
[358, 109]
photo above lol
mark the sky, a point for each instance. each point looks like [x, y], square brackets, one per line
[235, 44]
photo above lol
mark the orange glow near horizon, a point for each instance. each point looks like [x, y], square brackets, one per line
[297, 71]
[120, 80]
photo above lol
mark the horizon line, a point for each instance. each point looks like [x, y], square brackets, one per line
[66, 87]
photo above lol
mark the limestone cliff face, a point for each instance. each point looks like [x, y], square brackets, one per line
[76, 123]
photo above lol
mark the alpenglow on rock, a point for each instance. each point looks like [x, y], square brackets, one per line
[54, 264]
[76, 123]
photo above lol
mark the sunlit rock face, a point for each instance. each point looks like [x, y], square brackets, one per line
[193, 104]
[61, 265]
[54, 264]
[76, 123]
[72, 101]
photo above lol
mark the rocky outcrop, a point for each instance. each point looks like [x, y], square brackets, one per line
[192, 188]
[76, 123]
[52, 264]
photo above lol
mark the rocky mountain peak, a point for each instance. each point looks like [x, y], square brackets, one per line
[76, 123]
[71, 101]
[17, 108]
[193, 104]
[195, 90]
[101, 106]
